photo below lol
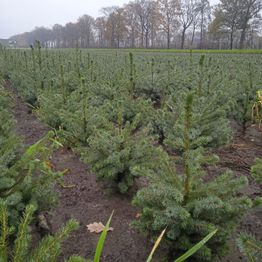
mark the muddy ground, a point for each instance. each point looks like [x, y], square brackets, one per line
[86, 200]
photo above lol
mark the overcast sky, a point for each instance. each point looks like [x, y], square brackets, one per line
[18, 16]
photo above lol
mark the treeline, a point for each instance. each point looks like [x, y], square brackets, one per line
[159, 24]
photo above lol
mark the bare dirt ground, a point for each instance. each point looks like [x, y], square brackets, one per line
[86, 200]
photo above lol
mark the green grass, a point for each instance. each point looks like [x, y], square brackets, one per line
[160, 50]
[211, 51]
[201, 51]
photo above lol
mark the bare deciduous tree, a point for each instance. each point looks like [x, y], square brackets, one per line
[169, 10]
[144, 11]
[86, 25]
[227, 15]
[187, 15]
[100, 25]
[249, 10]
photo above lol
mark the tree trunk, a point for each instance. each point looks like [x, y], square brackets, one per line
[242, 38]
[183, 38]
[152, 38]
[133, 38]
[88, 40]
[118, 41]
[201, 29]
[142, 37]
[244, 28]
[146, 36]
[168, 37]
[193, 36]
[231, 38]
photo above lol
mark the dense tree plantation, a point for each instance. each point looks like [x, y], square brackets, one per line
[191, 24]
[151, 127]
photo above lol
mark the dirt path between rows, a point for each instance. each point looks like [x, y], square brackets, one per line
[87, 202]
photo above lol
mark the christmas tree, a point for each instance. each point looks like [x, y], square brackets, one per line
[191, 204]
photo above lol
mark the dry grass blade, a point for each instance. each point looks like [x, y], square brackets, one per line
[156, 245]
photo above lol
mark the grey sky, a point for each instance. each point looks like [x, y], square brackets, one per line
[18, 16]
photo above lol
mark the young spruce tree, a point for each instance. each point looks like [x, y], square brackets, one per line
[48, 249]
[19, 184]
[122, 152]
[191, 204]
